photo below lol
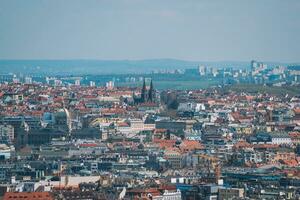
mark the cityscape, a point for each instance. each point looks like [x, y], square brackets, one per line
[75, 128]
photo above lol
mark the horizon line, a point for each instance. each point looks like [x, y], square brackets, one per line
[145, 59]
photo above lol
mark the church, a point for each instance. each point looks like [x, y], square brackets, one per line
[146, 95]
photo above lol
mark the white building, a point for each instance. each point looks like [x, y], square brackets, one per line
[202, 70]
[92, 84]
[137, 125]
[77, 82]
[169, 196]
[6, 151]
[281, 139]
[28, 80]
[191, 107]
[110, 85]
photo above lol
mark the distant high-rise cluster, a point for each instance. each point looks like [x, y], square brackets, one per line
[257, 67]
[28, 80]
[110, 85]
[202, 70]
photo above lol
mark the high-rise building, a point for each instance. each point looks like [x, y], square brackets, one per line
[47, 80]
[16, 79]
[257, 67]
[57, 82]
[254, 65]
[110, 85]
[202, 70]
[92, 84]
[77, 82]
[28, 80]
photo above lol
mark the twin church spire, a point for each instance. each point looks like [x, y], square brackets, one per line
[147, 95]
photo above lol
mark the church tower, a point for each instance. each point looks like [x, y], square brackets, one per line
[151, 94]
[144, 92]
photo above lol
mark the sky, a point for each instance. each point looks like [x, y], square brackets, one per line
[196, 30]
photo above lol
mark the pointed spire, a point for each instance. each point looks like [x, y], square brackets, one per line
[151, 92]
[144, 84]
[143, 93]
[151, 85]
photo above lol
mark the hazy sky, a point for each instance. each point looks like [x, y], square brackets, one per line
[212, 30]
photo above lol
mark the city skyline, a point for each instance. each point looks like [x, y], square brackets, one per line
[136, 30]
[149, 99]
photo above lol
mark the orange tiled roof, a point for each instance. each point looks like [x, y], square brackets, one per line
[291, 163]
[160, 130]
[242, 144]
[189, 145]
[297, 110]
[163, 144]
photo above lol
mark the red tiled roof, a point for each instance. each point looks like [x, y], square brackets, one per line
[27, 196]
[265, 146]
[88, 145]
[148, 104]
[167, 187]
[294, 134]
[123, 124]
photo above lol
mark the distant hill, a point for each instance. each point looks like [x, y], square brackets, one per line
[79, 67]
